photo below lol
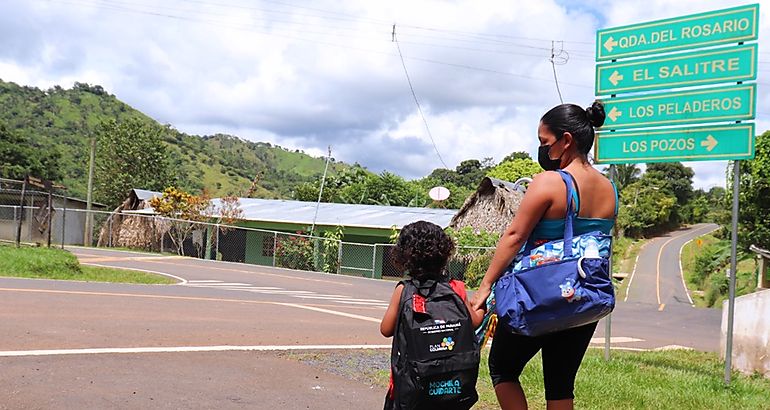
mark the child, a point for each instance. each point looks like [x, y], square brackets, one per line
[432, 314]
[423, 249]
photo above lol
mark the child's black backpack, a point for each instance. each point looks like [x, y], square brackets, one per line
[435, 361]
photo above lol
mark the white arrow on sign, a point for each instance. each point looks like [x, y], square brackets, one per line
[610, 44]
[614, 114]
[710, 143]
[616, 77]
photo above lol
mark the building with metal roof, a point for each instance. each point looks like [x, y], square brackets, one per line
[299, 213]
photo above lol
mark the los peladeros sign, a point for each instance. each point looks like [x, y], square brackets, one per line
[731, 25]
[731, 103]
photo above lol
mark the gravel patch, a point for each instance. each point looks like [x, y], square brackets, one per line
[370, 367]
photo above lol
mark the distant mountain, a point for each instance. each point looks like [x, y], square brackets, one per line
[65, 119]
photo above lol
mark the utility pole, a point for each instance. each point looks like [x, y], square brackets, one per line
[321, 191]
[87, 240]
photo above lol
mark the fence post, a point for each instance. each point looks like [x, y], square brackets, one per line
[339, 257]
[64, 220]
[374, 259]
[21, 213]
[109, 231]
[275, 246]
[216, 243]
[50, 217]
[162, 234]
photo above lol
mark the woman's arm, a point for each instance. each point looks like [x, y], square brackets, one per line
[536, 202]
[388, 324]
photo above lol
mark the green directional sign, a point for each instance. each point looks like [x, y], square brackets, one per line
[726, 64]
[731, 25]
[719, 142]
[731, 103]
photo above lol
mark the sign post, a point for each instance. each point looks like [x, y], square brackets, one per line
[703, 124]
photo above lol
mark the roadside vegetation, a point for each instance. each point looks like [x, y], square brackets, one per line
[674, 379]
[45, 263]
[705, 263]
[624, 253]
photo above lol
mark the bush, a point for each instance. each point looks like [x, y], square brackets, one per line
[475, 271]
[295, 252]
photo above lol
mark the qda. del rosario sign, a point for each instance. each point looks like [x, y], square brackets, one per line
[732, 25]
[624, 86]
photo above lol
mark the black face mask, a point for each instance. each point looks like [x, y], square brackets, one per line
[544, 158]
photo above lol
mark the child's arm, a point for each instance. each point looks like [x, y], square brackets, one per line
[388, 324]
[477, 315]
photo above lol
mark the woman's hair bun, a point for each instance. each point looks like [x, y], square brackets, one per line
[595, 114]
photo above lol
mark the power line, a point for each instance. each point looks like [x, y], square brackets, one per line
[416, 101]
[253, 29]
[553, 66]
[477, 38]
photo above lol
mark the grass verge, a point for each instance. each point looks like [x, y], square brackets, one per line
[624, 253]
[706, 278]
[45, 263]
[677, 379]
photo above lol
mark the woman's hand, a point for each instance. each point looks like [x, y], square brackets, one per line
[480, 296]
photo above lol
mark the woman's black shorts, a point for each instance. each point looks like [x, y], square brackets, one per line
[562, 353]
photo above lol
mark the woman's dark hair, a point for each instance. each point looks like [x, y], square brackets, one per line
[577, 121]
[423, 249]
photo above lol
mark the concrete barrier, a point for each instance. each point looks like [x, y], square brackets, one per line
[751, 333]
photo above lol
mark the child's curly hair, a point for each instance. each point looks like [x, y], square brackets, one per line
[423, 249]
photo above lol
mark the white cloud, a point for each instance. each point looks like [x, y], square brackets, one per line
[326, 72]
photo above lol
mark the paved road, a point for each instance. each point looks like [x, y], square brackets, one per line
[218, 307]
[658, 278]
[657, 306]
[210, 340]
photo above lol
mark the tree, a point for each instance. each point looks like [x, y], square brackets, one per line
[515, 169]
[676, 177]
[516, 155]
[754, 216]
[19, 158]
[645, 208]
[626, 174]
[130, 154]
[183, 210]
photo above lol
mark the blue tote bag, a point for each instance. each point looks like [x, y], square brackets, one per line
[558, 285]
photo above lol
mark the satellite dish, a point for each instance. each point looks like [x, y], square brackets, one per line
[438, 193]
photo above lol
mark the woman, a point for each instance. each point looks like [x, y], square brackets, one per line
[566, 134]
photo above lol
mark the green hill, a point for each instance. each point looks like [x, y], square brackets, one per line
[63, 120]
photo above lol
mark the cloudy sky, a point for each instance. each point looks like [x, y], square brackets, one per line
[307, 74]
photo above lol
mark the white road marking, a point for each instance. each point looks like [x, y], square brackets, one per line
[275, 292]
[204, 281]
[331, 312]
[193, 298]
[353, 302]
[326, 297]
[183, 349]
[303, 294]
[660, 253]
[182, 281]
[633, 272]
[617, 339]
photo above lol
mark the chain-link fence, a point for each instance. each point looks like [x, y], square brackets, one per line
[468, 263]
[32, 213]
[135, 230]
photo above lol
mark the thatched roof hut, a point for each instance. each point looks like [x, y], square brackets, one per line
[133, 231]
[492, 207]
